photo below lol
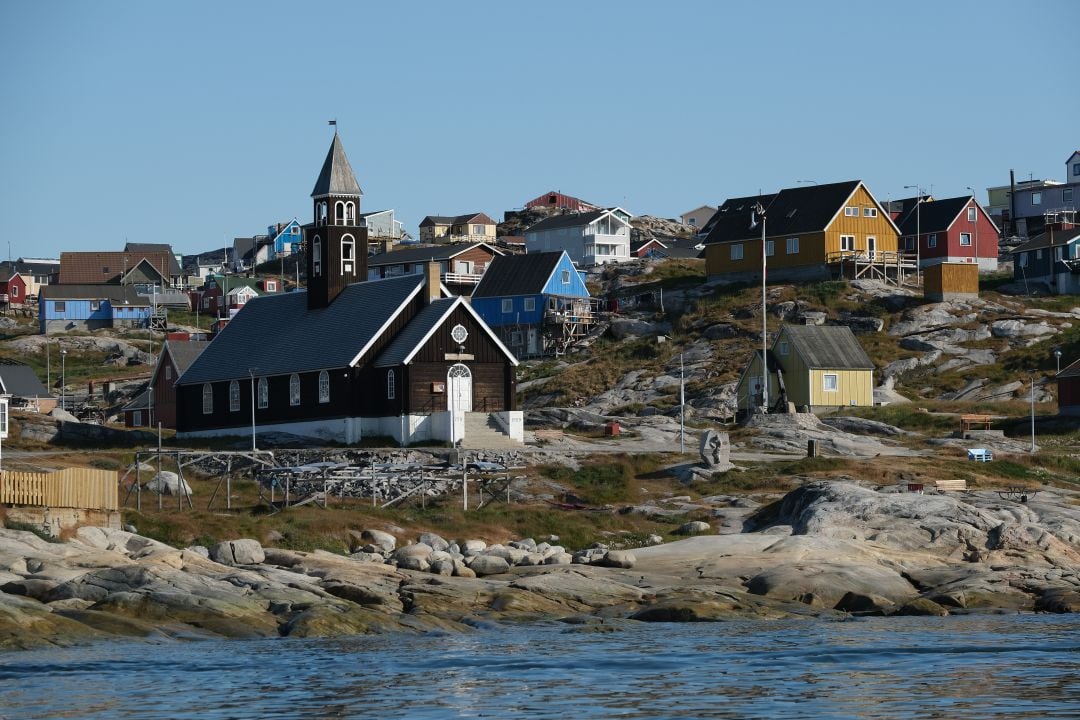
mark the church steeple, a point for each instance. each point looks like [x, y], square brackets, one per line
[336, 243]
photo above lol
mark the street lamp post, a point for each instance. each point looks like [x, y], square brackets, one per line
[63, 379]
[1057, 355]
[1033, 414]
[759, 210]
[918, 232]
[976, 225]
[251, 372]
[682, 405]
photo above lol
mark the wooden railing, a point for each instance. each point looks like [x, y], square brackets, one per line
[82, 488]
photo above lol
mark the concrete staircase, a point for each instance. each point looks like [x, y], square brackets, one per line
[483, 433]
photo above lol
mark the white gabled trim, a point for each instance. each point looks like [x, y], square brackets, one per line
[877, 204]
[460, 301]
[385, 325]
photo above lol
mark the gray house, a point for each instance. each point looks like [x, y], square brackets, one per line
[1051, 258]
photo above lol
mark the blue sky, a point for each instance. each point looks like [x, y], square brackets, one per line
[195, 122]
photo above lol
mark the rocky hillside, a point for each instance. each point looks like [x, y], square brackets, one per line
[983, 350]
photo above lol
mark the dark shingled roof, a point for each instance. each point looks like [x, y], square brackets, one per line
[21, 381]
[1042, 240]
[933, 216]
[566, 221]
[278, 334]
[117, 294]
[337, 176]
[517, 275]
[184, 353]
[1071, 371]
[147, 248]
[425, 320]
[829, 347]
[139, 402]
[424, 253]
[792, 211]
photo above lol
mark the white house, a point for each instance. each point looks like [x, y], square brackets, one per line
[592, 238]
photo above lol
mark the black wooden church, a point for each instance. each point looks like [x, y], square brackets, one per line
[349, 357]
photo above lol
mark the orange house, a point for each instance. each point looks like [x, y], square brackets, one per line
[811, 232]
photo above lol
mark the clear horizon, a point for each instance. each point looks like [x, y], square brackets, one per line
[196, 123]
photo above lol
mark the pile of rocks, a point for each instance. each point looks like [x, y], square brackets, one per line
[475, 558]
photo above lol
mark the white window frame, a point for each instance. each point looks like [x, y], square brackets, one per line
[1066, 198]
[851, 211]
[294, 390]
[348, 254]
[529, 304]
[507, 306]
[931, 240]
[234, 396]
[1058, 254]
[207, 399]
[847, 242]
[793, 246]
[736, 252]
[391, 387]
[324, 387]
[316, 256]
[965, 239]
[264, 393]
[835, 382]
[770, 248]
[565, 277]
[1036, 198]
[971, 214]
[1038, 253]
[869, 212]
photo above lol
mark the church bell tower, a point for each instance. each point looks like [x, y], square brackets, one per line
[336, 244]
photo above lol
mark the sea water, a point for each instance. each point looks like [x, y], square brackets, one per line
[974, 666]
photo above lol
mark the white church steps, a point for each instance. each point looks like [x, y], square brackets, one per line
[482, 432]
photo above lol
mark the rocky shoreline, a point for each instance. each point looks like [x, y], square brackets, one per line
[827, 549]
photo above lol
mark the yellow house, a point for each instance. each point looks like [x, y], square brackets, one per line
[822, 368]
[811, 232]
[471, 227]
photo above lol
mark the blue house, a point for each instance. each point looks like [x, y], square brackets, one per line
[1051, 259]
[286, 238]
[64, 308]
[537, 303]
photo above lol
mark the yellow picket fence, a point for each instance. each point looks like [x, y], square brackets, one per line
[83, 488]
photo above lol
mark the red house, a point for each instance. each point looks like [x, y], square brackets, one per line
[13, 290]
[950, 230]
[563, 202]
[1068, 381]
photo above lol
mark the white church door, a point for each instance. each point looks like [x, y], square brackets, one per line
[459, 389]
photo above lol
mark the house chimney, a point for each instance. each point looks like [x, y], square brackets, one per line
[432, 281]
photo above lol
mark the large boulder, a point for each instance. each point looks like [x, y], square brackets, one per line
[168, 483]
[489, 565]
[384, 541]
[238, 552]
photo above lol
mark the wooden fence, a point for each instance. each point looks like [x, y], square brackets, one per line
[82, 488]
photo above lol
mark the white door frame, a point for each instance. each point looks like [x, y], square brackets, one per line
[459, 388]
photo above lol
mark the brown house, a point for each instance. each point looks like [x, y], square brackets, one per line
[175, 358]
[470, 227]
[1068, 381]
[115, 268]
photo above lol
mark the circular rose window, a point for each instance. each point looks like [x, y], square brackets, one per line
[459, 333]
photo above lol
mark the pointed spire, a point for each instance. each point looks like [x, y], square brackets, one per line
[337, 176]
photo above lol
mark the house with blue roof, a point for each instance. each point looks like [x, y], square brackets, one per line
[537, 303]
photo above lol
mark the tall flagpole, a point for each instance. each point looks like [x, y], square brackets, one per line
[760, 210]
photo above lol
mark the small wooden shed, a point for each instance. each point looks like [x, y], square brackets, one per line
[951, 281]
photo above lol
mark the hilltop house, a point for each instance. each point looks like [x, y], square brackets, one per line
[698, 216]
[591, 238]
[145, 269]
[66, 308]
[822, 368]
[558, 200]
[350, 357]
[461, 264]
[950, 230]
[811, 233]
[537, 303]
[12, 288]
[471, 227]
[1031, 202]
[1051, 258]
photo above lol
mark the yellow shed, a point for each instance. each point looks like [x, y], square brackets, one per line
[822, 368]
